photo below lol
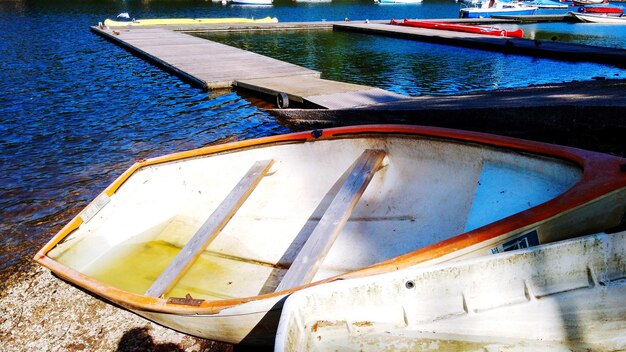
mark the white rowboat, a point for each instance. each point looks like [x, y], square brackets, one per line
[210, 241]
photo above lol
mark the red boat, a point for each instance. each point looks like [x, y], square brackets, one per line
[461, 28]
[607, 10]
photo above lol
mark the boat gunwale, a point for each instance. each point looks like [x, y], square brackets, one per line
[600, 177]
[585, 17]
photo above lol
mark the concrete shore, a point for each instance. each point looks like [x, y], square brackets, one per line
[42, 313]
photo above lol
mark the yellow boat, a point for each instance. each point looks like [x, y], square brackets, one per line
[186, 21]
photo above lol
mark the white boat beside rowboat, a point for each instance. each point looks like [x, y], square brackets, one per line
[211, 241]
[599, 18]
[558, 297]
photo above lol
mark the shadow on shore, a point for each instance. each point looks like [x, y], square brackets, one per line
[139, 340]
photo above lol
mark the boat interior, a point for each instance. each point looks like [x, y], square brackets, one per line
[363, 199]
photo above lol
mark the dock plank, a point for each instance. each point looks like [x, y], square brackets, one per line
[325, 93]
[317, 246]
[213, 65]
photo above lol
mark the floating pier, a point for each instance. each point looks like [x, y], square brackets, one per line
[212, 65]
[209, 64]
[313, 91]
[587, 114]
[556, 50]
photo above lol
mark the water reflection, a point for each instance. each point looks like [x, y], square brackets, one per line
[76, 110]
[410, 67]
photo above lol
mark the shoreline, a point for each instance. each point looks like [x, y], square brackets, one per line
[43, 313]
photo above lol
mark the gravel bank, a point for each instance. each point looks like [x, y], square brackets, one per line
[42, 313]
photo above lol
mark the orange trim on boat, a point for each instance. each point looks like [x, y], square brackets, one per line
[602, 176]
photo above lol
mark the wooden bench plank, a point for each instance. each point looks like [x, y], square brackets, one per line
[209, 230]
[312, 254]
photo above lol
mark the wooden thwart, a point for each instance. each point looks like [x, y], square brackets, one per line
[316, 248]
[209, 230]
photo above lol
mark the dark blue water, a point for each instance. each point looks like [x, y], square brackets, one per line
[410, 67]
[76, 110]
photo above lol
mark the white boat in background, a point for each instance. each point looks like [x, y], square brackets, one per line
[599, 18]
[186, 21]
[498, 8]
[588, 2]
[549, 4]
[312, 1]
[252, 2]
[210, 241]
[473, 3]
[566, 296]
[399, 2]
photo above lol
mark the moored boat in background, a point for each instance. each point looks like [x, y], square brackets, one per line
[494, 31]
[399, 2]
[210, 241]
[498, 8]
[588, 2]
[252, 2]
[548, 4]
[598, 18]
[606, 10]
[186, 21]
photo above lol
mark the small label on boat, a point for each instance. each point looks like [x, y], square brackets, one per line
[188, 301]
[530, 239]
[95, 207]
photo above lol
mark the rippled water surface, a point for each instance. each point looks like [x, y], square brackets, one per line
[76, 110]
[410, 67]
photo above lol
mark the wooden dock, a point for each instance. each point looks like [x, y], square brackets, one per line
[587, 114]
[556, 50]
[315, 92]
[207, 63]
[213, 65]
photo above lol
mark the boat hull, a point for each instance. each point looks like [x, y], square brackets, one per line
[186, 21]
[461, 199]
[252, 2]
[492, 31]
[599, 18]
[599, 10]
[398, 2]
[486, 13]
[588, 2]
[551, 297]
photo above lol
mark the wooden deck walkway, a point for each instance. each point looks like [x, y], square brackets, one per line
[558, 50]
[321, 92]
[209, 64]
[213, 65]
